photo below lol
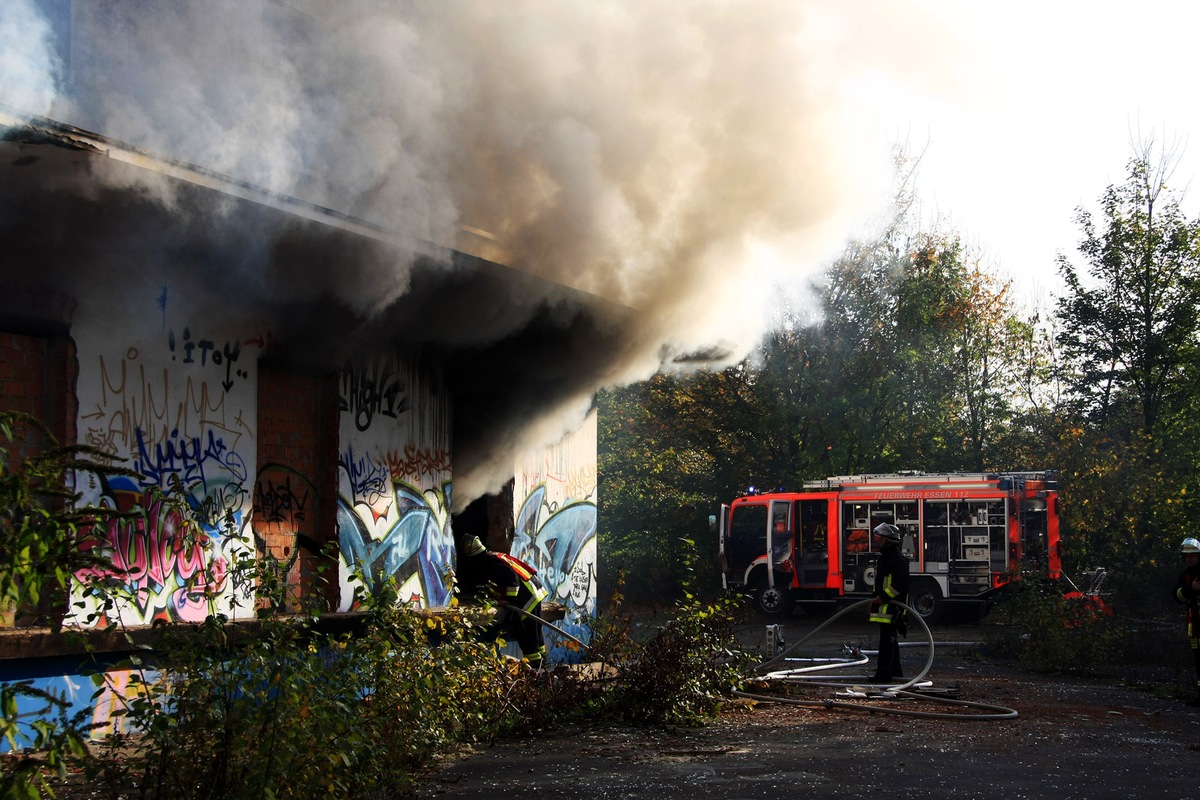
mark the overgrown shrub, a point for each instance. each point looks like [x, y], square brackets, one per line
[59, 741]
[280, 709]
[687, 668]
[288, 712]
[1053, 633]
[39, 555]
[39, 523]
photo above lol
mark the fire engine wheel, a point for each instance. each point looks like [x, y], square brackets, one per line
[925, 598]
[774, 601]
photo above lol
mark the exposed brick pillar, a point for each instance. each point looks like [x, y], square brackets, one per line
[38, 375]
[296, 485]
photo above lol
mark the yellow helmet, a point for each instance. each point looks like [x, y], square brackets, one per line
[473, 547]
[1190, 545]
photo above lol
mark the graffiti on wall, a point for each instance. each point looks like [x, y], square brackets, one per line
[372, 387]
[205, 467]
[416, 463]
[80, 697]
[281, 494]
[180, 414]
[393, 509]
[283, 505]
[555, 529]
[560, 542]
[163, 565]
[207, 353]
[415, 547]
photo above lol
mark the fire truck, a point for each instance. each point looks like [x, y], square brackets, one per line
[965, 534]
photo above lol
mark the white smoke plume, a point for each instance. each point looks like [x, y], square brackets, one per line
[29, 68]
[684, 159]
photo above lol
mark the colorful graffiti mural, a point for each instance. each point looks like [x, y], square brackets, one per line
[393, 509]
[163, 565]
[178, 410]
[102, 710]
[555, 530]
[561, 544]
[416, 549]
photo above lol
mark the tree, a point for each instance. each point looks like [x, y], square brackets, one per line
[922, 351]
[1131, 330]
[1127, 339]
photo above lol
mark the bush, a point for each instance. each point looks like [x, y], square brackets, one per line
[687, 668]
[1053, 633]
[288, 712]
[279, 709]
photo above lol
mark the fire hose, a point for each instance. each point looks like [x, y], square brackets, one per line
[984, 711]
[797, 676]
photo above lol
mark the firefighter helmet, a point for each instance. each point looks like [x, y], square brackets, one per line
[473, 547]
[1190, 545]
[891, 532]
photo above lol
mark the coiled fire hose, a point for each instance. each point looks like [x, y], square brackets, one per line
[984, 711]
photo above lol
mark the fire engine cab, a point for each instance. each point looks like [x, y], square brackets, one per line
[965, 535]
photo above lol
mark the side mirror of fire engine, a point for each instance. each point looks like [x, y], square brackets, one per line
[712, 523]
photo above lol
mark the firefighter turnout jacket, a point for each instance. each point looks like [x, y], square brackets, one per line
[512, 581]
[515, 585]
[1184, 593]
[891, 583]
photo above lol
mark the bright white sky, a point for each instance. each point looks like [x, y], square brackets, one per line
[1042, 117]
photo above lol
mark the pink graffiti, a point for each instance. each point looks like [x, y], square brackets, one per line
[159, 556]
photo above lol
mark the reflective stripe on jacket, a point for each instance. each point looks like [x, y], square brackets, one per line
[891, 583]
[535, 592]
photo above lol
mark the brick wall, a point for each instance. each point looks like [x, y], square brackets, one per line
[294, 503]
[37, 377]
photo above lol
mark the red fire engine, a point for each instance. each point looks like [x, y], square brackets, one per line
[965, 535]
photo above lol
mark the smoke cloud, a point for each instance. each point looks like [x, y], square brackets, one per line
[684, 161]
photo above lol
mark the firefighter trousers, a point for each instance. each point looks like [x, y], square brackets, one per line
[888, 664]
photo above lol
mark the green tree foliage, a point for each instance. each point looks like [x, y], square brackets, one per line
[914, 364]
[1128, 358]
[1130, 331]
[664, 453]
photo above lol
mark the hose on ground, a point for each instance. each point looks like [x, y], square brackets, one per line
[993, 712]
[988, 712]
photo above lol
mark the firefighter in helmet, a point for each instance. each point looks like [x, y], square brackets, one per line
[891, 585]
[514, 586]
[1187, 591]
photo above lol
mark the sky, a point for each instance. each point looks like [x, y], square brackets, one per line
[1043, 114]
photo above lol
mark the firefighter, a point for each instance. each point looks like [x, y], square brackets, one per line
[891, 585]
[514, 586]
[1187, 591]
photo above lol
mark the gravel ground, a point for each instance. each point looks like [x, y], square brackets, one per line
[1069, 739]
